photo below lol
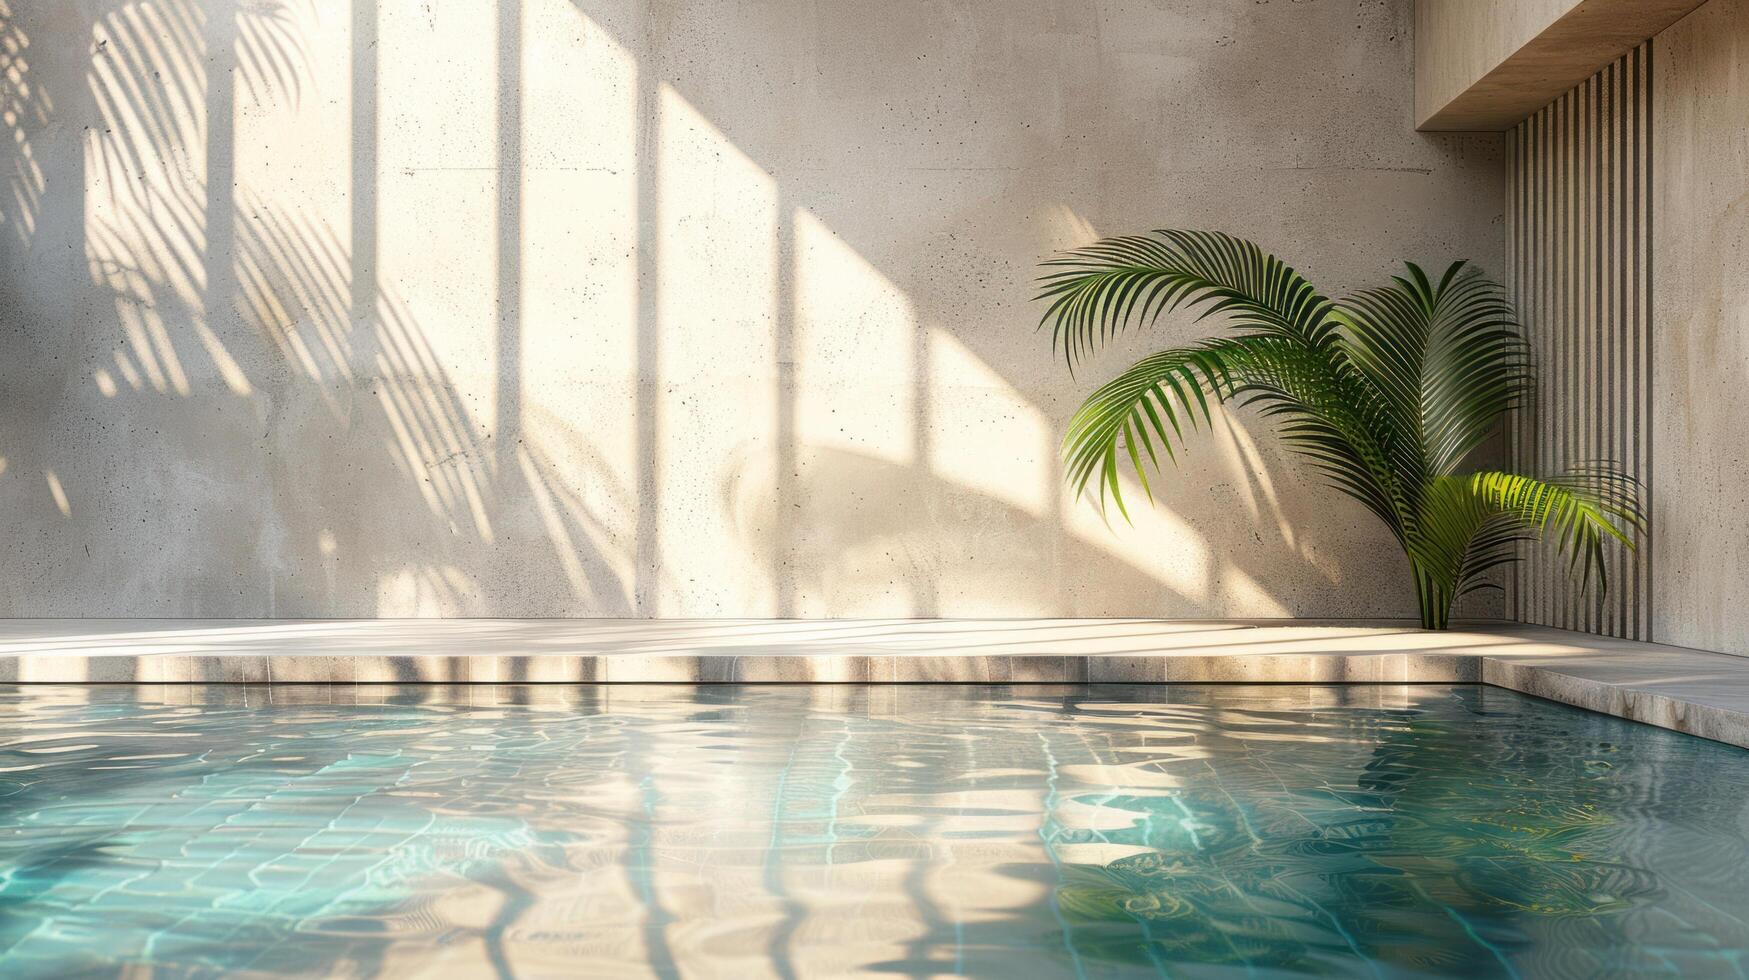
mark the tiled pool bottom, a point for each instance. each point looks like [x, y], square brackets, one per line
[834, 830]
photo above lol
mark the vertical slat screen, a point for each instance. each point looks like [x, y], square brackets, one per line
[1579, 239]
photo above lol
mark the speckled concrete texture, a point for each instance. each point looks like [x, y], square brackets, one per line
[1703, 694]
[663, 308]
[1700, 357]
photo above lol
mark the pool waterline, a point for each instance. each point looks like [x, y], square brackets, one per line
[821, 830]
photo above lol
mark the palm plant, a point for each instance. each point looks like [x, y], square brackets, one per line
[1389, 394]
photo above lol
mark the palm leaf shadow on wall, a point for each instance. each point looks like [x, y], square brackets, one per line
[219, 317]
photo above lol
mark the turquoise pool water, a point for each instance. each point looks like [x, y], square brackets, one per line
[824, 831]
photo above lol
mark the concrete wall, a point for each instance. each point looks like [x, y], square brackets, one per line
[665, 308]
[1701, 308]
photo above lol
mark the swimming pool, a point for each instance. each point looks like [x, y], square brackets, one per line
[831, 830]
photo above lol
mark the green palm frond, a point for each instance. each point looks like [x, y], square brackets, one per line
[1447, 358]
[1097, 291]
[1580, 512]
[1140, 415]
[1133, 412]
[1325, 412]
[1469, 525]
[1389, 394]
[1460, 534]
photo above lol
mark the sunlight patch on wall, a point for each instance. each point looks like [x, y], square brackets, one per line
[292, 152]
[984, 434]
[564, 546]
[438, 197]
[1238, 590]
[143, 328]
[719, 308]
[445, 467]
[857, 345]
[580, 298]
[293, 287]
[58, 493]
[1170, 549]
[431, 337]
[1063, 227]
[229, 372]
[424, 592]
[579, 260]
[718, 249]
[128, 371]
[1241, 455]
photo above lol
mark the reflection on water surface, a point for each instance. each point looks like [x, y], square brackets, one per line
[823, 831]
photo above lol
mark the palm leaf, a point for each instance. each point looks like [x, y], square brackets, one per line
[1579, 512]
[1136, 409]
[1389, 395]
[1098, 291]
[1447, 358]
[1140, 416]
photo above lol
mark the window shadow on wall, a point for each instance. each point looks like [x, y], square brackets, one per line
[874, 121]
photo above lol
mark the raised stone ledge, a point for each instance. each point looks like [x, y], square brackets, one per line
[1703, 694]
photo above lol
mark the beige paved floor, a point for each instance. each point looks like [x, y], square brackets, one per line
[1702, 693]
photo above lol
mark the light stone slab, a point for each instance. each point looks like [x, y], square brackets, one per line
[1705, 694]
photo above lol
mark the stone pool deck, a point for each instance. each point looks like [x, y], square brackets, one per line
[1704, 694]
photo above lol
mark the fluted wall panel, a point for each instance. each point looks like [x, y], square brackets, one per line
[1579, 259]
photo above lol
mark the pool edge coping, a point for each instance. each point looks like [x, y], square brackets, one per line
[1689, 691]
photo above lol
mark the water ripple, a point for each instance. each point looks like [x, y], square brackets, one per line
[825, 831]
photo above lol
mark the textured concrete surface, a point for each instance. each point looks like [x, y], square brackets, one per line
[1701, 309]
[1704, 694]
[661, 308]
